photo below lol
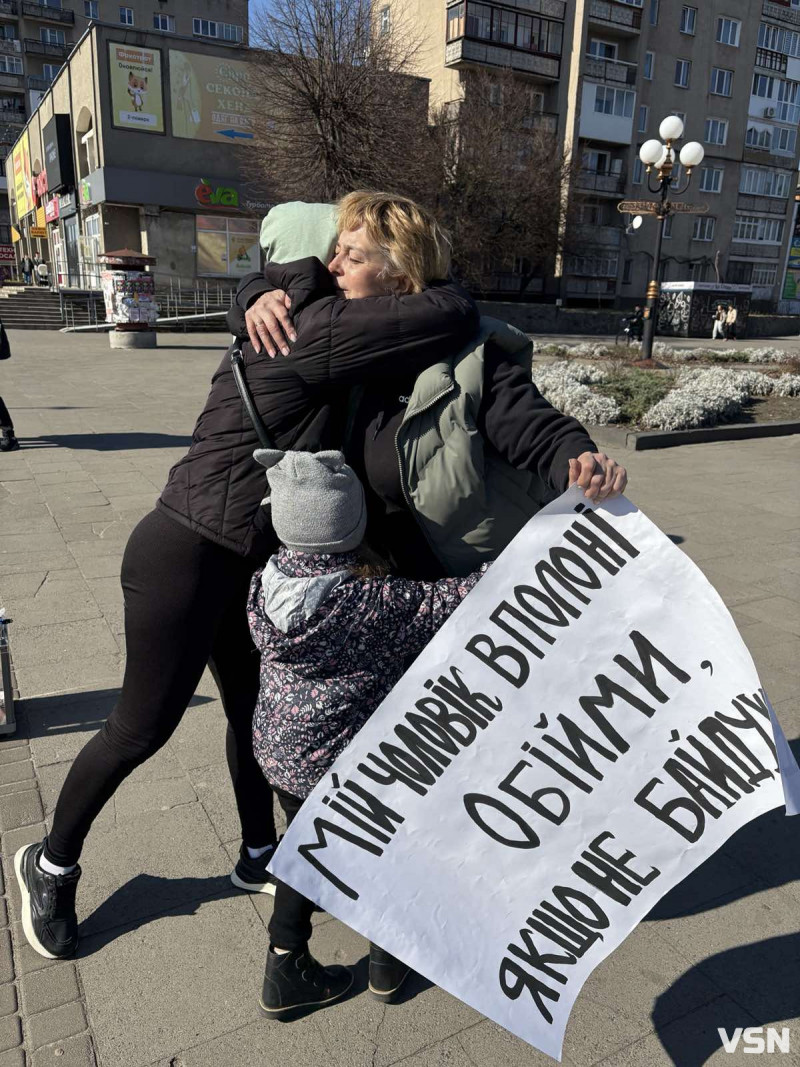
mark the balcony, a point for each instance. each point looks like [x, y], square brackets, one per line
[10, 46]
[13, 116]
[610, 70]
[468, 52]
[601, 182]
[545, 121]
[766, 205]
[41, 48]
[38, 82]
[609, 15]
[769, 60]
[782, 14]
[591, 286]
[33, 10]
[12, 81]
[9, 7]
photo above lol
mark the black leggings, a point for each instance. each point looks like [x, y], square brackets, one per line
[5, 418]
[185, 601]
[290, 925]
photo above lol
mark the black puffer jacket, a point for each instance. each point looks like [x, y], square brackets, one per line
[217, 487]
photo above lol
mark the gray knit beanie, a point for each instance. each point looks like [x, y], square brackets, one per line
[317, 501]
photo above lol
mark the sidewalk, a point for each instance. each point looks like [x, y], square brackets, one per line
[171, 958]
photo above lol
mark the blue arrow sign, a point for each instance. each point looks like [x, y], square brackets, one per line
[235, 133]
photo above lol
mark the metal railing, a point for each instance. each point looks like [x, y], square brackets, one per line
[46, 48]
[618, 14]
[770, 60]
[10, 46]
[44, 11]
[601, 182]
[9, 7]
[162, 321]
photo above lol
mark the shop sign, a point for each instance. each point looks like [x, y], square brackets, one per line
[40, 186]
[86, 191]
[15, 234]
[21, 171]
[58, 161]
[219, 196]
[38, 231]
[7, 254]
[67, 204]
[51, 210]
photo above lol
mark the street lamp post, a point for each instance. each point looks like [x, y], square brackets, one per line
[661, 158]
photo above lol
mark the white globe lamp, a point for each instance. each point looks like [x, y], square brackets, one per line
[650, 152]
[671, 129]
[692, 154]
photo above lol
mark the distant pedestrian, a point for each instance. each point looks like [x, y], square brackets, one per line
[26, 266]
[334, 632]
[730, 323]
[718, 330]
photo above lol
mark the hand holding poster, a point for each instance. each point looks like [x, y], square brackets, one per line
[585, 730]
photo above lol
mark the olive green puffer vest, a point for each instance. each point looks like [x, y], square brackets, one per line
[468, 500]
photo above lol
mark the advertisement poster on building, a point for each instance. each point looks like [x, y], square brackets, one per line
[227, 247]
[791, 283]
[211, 98]
[137, 101]
[23, 181]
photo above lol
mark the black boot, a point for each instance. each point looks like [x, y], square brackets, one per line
[294, 980]
[48, 905]
[386, 974]
[8, 442]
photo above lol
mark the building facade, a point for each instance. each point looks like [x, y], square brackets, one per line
[36, 38]
[606, 73]
[136, 144]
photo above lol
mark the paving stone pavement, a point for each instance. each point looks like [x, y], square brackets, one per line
[171, 956]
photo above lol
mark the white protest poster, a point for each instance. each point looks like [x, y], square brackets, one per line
[586, 729]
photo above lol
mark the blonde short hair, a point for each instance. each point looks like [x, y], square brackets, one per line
[416, 248]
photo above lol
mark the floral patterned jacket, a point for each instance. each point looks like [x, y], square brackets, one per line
[332, 646]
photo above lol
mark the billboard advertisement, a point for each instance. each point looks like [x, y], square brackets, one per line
[210, 97]
[137, 100]
[23, 179]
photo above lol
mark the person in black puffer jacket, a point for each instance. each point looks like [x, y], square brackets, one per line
[187, 566]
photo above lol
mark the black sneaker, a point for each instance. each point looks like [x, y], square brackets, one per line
[295, 980]
[386, 974]
[252, 875]
[48, 905]
[8, 442]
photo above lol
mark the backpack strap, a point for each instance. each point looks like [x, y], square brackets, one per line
[237, 366]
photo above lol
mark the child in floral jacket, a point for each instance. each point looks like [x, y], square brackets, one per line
[333, 639]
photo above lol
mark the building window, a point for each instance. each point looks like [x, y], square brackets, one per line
[455, 22]
[728, 31]
[91, 9]
[10, 65]
[764, 274]
[784, 140]
[760, 181]
[384, 20]
[49, 71]
[778, 40]
[721, 82]
[653, 12]
[594, 266]
[703, 228]
[48, 36]
[683, 69]
[226, 246]
[638, 172]
[163, 22]
[627, 271]
[753, 228]
[688, 20]
[649, 64]
[758, 137]
[711, 179]
[644, 114]
[763, 86]
[602, 49]
[668, 227]
[126, 16]
[617, 102]
[223, 31]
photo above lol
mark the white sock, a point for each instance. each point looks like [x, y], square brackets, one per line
[51, 868]
[257, 853]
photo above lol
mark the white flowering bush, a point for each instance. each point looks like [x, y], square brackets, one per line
[664, 351]
[566, 386]
[704, 396]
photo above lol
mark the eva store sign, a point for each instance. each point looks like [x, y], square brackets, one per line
[219, 196]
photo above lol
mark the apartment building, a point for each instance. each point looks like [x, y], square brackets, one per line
[36, 39]
[606, 72]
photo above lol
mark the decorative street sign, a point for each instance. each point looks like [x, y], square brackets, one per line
[639, 207]
[689, 209]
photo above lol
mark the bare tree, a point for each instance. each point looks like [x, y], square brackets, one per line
[505, 180]
[336, 106]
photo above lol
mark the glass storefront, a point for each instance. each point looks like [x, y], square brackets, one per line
[227, 247]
